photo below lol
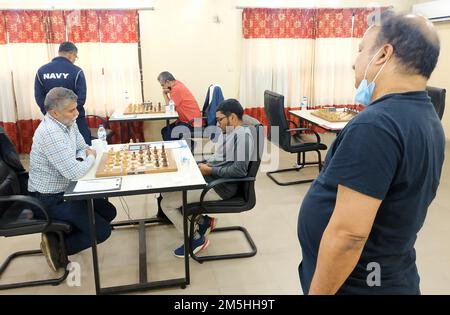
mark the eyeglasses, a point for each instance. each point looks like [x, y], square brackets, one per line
[219, 120]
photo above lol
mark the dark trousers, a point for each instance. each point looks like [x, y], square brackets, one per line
[84, 129]
[76, 214]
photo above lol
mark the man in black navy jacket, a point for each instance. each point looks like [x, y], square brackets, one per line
[61, 72]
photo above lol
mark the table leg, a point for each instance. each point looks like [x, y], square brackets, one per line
[122, 140]
[91, 213]
[186, 239]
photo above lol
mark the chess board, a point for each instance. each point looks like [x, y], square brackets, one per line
[136, 159]
[144, 108]
[335, 116]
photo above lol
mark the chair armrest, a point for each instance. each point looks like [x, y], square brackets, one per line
[222, 181]
[31, 201]
[307, 129]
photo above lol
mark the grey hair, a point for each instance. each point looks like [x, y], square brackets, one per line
[165, 76]
[58, 98]
[416, 48]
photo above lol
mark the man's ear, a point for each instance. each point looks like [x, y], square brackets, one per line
[386, 54]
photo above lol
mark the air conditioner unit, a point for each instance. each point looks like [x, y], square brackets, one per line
[435, 11]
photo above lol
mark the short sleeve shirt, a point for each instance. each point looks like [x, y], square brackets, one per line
[392, 151]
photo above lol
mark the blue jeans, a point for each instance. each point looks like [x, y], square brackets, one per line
[76, 214]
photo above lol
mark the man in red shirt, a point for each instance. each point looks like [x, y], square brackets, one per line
[185, 105]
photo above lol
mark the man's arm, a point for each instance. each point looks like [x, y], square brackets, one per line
[166, 96]
[80, 89]
[242, 151]
[39, 93]
[59, 153]
[343, 240]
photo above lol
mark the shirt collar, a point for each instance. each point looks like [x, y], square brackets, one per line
[59, 124]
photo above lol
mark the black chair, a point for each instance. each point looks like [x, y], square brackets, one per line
[94, 131]
[290, 140]
[13, 204]
[437, 96]
[244, 200]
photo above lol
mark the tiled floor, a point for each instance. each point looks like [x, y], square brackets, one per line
[272, 224]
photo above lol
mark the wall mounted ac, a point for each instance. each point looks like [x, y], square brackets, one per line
[435, 11]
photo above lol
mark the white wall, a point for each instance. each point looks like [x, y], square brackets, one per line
[181, 37]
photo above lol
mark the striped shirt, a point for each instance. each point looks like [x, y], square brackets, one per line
[53, 157]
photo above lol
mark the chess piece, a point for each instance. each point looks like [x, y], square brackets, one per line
[164, 162]
[159, 106]
[156, 163]
[131, 140]
[133, 156]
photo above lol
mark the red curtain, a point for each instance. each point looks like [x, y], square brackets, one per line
[303, 23]
[39, 26]
[278, 23]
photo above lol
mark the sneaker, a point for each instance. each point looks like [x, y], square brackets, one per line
[50, 249]
[209, 224]
[198, 245]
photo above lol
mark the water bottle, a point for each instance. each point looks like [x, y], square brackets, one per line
[171, 106]
[304, 103]
[101, 135]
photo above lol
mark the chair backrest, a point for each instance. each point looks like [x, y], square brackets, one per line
[10, 158]
[214, 97]
[274, 108]
[437, 96]
[247, 189]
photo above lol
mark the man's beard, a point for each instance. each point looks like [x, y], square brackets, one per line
[69, 123]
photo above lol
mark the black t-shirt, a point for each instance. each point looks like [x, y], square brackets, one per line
[392, 151]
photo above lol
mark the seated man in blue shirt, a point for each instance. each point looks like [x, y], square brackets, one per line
[359, 220]
[59, 155]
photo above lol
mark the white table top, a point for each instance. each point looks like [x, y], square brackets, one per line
[188, 175]
[306, 114]
[119, 116]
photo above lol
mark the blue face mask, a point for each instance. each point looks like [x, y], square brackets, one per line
[364, 91]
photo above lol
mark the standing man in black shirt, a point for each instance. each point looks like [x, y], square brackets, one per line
[359, 221]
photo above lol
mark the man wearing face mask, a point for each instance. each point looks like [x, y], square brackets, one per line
[358, 222]
[60, 155]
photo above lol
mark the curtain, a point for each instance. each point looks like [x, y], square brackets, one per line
[300, 52]
[107, 42]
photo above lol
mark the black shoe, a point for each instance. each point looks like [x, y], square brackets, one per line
[50, 249]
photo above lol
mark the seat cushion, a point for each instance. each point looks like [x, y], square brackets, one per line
[302, 143]
[232, 205]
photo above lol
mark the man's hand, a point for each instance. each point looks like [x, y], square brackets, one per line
[166, 91]
[91, 152]
[205, 169]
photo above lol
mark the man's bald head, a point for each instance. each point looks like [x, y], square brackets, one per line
[415, 41]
